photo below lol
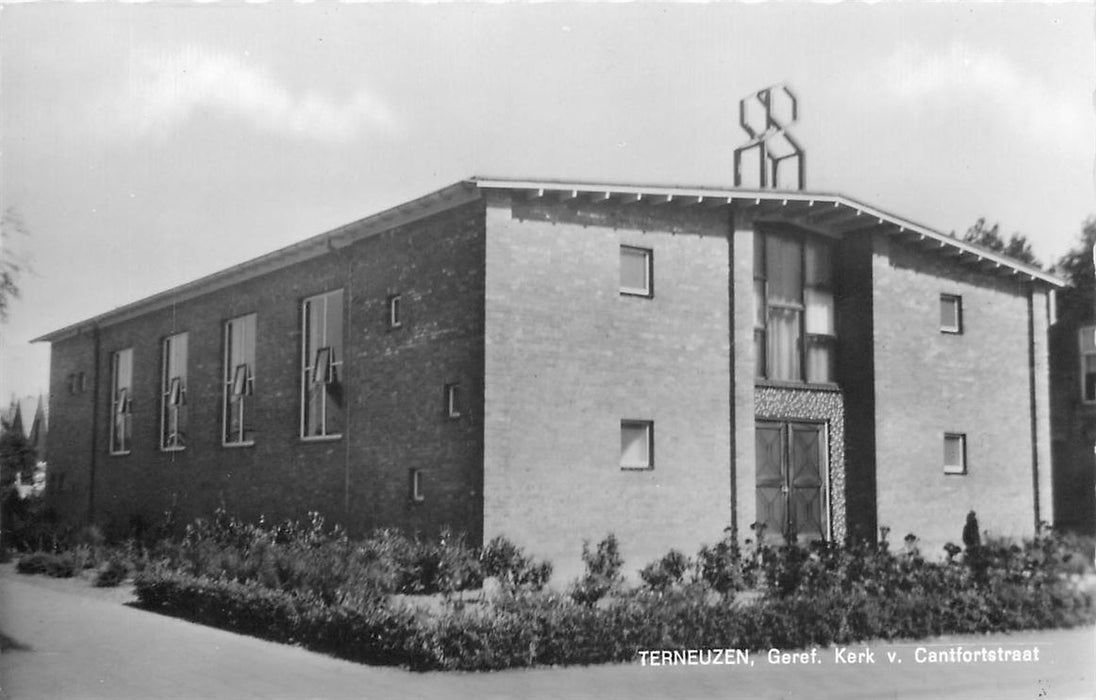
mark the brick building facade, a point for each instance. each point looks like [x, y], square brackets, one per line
[555, 361]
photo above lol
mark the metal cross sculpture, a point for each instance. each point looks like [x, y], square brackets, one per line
[764, 115]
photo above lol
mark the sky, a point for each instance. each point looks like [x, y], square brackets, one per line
[143, 146]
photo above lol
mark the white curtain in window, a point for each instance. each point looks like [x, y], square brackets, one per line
[783, 344]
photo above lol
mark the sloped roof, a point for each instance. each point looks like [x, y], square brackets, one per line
[828, 212]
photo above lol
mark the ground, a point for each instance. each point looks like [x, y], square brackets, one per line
[65, 639]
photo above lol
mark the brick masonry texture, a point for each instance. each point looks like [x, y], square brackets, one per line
[828, 406]
[1073, 421]
[394, 381]
[518, 301]
[928, 383]
[568, 357]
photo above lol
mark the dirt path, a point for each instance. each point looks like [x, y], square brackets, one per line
[69, 640]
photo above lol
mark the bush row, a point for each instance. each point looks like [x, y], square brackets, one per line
[817, 595]
[539, 629]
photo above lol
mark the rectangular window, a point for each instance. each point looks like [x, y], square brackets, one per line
[795, 323]
[239, 381]
[121, 402]
[452, 400]
[637, 444]
[322, 361]
[955, 453]
[173, 412]
[394, 320]
[417, 494]
[635, 271]
[72, 383]
[1087, 341]
[951, 313]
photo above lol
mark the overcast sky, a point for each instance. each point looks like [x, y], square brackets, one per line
[145, 146]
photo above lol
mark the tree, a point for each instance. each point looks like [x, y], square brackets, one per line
[17, 460]
[1017, 247]
[12, 265]
[1076, 266]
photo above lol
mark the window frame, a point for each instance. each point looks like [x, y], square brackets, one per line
[310, 356]
[649, 427]
[957, 299]
[1082, 332]
[121, 404]
[229, 394]
[961, 468]
[395, 320]
[648, 290]
[417, 494]
[762, 306]
[173, 393]
[453, 405]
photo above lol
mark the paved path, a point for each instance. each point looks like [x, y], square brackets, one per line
[82, 642]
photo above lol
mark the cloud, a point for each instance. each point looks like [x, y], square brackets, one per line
[165, 89]
[965, 76]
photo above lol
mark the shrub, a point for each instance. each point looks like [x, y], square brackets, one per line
[502, 559]
[666, 572]
[34, 563]
[113, 573]
[602, 571]
[55, 565]
[723, 568]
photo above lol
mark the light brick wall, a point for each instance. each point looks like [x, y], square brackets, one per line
[568, 357]
[928, 383]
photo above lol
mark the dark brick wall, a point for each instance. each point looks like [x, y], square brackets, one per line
[394, 383]
[1073, 422]
[856, 375]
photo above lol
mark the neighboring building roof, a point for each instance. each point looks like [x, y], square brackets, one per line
[820, 211]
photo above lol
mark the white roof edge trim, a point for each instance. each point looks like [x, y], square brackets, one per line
[782, 197]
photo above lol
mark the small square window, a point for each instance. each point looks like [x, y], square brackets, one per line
[395, 320]
[635, 271]
[452, 400]
[637, 444]
[417, 494]
[955, 453]
[951, 313]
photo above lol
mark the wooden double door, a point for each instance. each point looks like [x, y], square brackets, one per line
[791, 478]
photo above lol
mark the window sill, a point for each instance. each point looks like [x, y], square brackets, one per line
[245, 443]
[172, 449]
[321, 438]
[636, 293]
[800, 386]
[648, 468]
[951, 331]
[121, 454]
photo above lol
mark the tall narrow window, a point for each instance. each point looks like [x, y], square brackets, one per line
[635, 271]
[637, 444]
[1087, 338]
[417, 493]
[121, 402]
[955, 453]
[951, 313]
[395, 320]
[239, 380]
[322, 362]
[452, 400]
[794, 318]
[173, 412]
